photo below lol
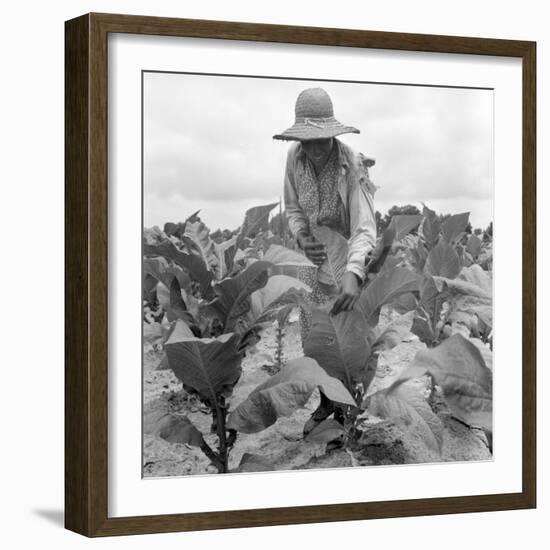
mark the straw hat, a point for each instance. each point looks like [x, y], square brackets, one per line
[315, 118]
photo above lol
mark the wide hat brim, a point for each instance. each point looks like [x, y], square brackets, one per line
[314, 128]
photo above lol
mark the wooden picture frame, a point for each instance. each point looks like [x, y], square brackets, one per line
[86, 282]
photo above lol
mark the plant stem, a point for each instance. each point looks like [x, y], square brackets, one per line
[214, 458]
[435, 320]
[279, 353]
[221, 412]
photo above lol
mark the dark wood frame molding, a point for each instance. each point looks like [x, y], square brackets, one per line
[86, 274]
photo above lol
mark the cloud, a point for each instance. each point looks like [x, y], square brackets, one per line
[208, 141]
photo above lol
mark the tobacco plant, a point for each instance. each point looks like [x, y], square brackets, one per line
[348, 345]
[210, 368]
[444, 256]
[213, 324]
[216, 298]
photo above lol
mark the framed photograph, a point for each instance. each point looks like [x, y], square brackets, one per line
[300, 275]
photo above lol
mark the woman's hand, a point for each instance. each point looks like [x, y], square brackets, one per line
[314, 250]
[348, 295]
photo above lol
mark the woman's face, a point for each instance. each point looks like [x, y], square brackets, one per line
[317, 150]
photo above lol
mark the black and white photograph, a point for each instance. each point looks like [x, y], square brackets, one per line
[290, 259]
[317, 274]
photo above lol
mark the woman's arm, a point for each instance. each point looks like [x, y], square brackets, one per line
[362, 223]
[362, 238]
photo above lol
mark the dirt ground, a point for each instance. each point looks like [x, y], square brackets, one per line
[283, 445]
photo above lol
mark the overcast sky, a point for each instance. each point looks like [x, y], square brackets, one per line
[208, 144]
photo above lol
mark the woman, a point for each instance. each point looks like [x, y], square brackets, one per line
[327, 183]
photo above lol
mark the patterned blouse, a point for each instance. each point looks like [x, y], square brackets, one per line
[321, 204]
[343, 185]
[319, 197]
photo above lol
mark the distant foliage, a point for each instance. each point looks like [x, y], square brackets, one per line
[382, 222]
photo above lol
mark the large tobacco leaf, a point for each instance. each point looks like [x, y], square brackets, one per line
[197, 239]
[253, 463]
[433, 294]
[264, 240]
[279, 290]
[420, 255]
[454, 226]
[326, 431]
[149, 288]
[192, 263]
[473, 246]
[178, 229]
[405, 303]
[172, 428]
[175, 229]
[401, 225]
[285, 261]
[281, 255]
[381, 339]
[458, 367]
[172, 301]
[485, 315]
[385, 288]
[339, 343]
[431, 228]
[226, 253]
[233, 303]
[460, 286]
[386, 338]
[443, 261]
[208, 366]
[405, 406]
[153, 235]
[329, 273]
[284, 393]
[255, 221]
[159, 269]
[391, 263]
[428, 212]
[155, 267]
[431, 289]
[477, 276]
[423, 327]
[171, 282]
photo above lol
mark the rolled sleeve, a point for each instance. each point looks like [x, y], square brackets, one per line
[362, 227]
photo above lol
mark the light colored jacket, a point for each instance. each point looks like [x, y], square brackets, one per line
[356, 191]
